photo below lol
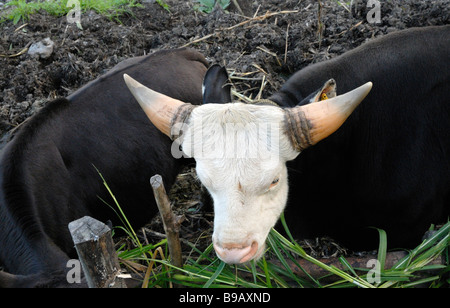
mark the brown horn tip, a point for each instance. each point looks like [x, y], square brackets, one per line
[162, 110]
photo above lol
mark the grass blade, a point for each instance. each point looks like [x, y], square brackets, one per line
[382, 249]
[215, 275]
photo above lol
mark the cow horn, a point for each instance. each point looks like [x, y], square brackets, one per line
[162, 110]
[308, 124]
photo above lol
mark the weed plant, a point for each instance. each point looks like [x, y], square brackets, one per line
[207, 271]
[206, 6]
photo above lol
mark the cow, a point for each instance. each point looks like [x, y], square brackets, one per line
[50, 171]
[387, 166]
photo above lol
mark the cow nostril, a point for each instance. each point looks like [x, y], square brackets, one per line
[235, 253]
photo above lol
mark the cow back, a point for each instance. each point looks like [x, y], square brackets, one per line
[388, 166]
[50, 171]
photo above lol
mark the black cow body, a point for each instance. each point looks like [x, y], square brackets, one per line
[48, 173]
[388, 166]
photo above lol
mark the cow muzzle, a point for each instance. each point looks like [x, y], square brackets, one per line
[236, 253]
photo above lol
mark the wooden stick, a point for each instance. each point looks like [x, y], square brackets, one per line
[286, 43]
[171, 224]
[24, 50]
[95, 249]
[238, 7]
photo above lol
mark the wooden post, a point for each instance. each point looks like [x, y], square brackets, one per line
[96, 252]
[171, 224]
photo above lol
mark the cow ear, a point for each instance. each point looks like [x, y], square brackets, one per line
[328, 90]
[216, 86]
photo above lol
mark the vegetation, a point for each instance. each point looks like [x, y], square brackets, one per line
[206, 6]
[113, 9]
[207, 271]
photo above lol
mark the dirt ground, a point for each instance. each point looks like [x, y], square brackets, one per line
[283, 37]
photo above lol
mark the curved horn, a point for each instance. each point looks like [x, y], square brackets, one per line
[162, 110]
[306, 125]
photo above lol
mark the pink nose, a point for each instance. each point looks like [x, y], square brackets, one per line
[235, 253]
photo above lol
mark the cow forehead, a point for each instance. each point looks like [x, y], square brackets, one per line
[238, 113]
[235, 131]
[243, 171]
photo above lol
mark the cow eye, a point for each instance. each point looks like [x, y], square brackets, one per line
[274, 182]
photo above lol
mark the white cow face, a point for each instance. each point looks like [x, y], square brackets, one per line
[241, 152]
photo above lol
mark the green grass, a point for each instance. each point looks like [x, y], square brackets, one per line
[206, 6]
[18, 10]
[207, 271]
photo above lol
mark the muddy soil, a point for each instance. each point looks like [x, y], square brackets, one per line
[283, 37]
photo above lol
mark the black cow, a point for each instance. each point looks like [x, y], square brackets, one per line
[388, 166]
[48, 172]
